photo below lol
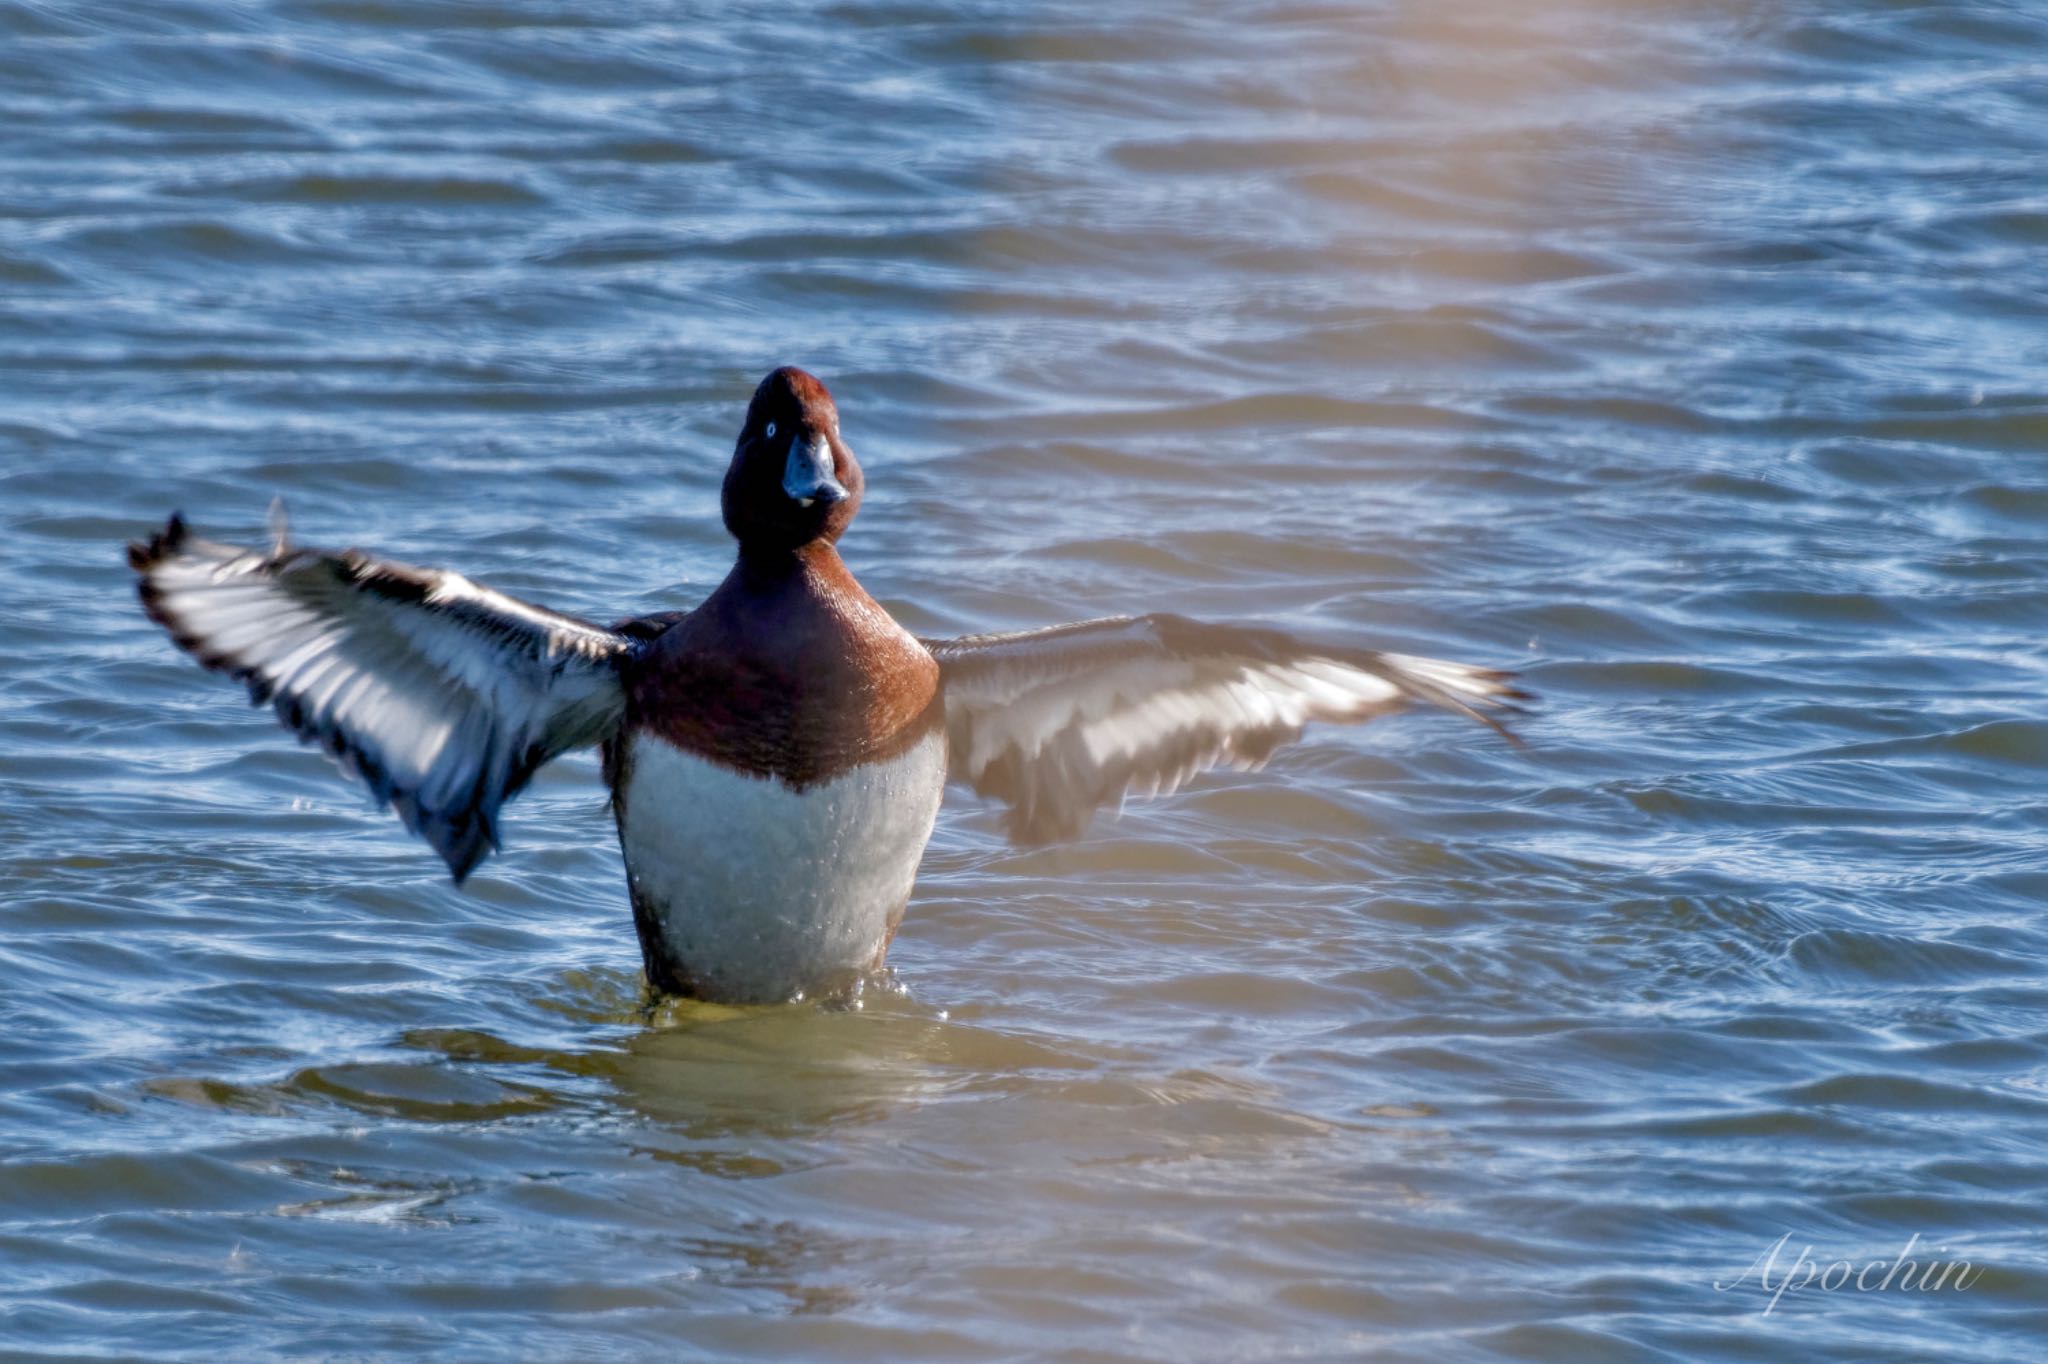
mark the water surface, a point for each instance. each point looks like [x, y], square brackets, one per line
[1687, 356]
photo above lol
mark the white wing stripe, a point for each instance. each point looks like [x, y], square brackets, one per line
[442, 694]
[1058, 722]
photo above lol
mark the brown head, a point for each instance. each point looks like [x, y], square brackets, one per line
[792, 480]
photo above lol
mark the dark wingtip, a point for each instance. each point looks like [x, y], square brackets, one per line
[1510, 704]
[1508, 688]
[144, 555]
[1513, 700]
[1497, 709]
[463, 857]
[464, 839]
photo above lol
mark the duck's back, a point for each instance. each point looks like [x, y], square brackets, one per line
[775, 784]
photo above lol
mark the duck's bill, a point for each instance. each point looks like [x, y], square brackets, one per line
[808, 477]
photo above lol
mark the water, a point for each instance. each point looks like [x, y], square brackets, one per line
[1687, 356]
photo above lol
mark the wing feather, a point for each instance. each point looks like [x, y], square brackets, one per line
[1056, 723]
[443, 696]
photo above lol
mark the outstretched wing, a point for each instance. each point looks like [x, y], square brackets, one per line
[442, 695]
[1059, 722]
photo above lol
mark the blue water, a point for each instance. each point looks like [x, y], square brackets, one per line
[1687, 357]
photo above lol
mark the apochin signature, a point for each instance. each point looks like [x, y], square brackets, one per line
[1899, 1274]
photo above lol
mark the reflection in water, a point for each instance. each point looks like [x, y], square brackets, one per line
[718, 1073]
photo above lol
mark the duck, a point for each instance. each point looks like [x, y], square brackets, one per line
[777, 754]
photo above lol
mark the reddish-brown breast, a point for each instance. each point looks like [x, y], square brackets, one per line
[788, 670]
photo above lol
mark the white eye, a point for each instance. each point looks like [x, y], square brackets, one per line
[770, 432]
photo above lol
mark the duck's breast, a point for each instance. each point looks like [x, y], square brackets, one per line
[748, 888]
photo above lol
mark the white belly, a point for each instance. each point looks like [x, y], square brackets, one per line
[756, 892]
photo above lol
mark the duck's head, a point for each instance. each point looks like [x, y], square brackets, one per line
[792, 480]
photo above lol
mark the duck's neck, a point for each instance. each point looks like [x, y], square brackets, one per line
[767, 569]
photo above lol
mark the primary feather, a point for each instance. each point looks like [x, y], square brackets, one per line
[1059, 722]
[444, 696]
